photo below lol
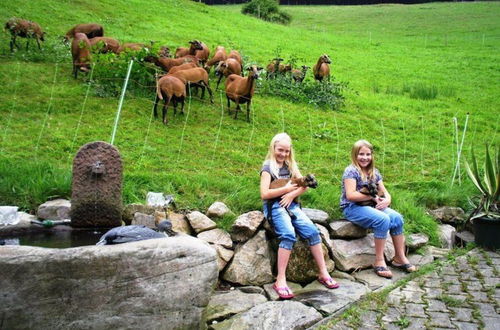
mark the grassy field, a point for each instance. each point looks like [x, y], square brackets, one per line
[410, 71]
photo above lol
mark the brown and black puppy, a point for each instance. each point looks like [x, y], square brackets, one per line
[370, 189]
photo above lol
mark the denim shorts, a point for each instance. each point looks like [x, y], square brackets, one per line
[286, 226]
[381, 221]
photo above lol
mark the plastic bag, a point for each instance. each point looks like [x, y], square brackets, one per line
[9, 215]
[155, 199]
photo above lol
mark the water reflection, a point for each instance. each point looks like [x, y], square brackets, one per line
[56, 239]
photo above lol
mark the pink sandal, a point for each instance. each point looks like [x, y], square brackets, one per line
[279, 291]
[329, 283]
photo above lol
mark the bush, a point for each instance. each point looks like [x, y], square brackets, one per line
[267, 10]
[327, 94]
[110, 71]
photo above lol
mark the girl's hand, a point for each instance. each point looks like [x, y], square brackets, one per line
[287, 199]
[290, 186]
[382, 203]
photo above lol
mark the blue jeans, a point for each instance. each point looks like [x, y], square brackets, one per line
[380, 221]
[286, 226]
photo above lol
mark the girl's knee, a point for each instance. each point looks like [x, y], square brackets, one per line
[314, 239]
[287, 243]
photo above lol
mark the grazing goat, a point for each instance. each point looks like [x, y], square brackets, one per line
[240, 89]
[196, 77]
[169, 88]
[226, 68]
[80, 50]
[105, 45]
[183, 51]
[168, 63]
[185, 66]
[299, 75]
[25, 29]
[219, 56]
[236, 55]
[370, 189]
[283, 69]
[321, 69]
[164, 52]
[91, 30]
[273, 67]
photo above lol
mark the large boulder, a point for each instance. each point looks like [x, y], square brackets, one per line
[251, 263]
[57, 209]
[301, 266]
[345, 229]
[448, 214]
[358, 253]
[155, 284]
[246, 225]
[218, 210]
[200, 222]
[290, 315]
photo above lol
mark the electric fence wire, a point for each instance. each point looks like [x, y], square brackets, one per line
[48, 110]
[14, 103]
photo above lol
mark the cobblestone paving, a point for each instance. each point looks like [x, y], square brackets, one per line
[459, 294]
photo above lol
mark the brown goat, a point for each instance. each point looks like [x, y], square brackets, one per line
[185, 66]
[283, 69]
[203, 54]
[219, 56]
[169, 88]
[240, 89]
[226, 68]
[105, 45]
[299, 75]
[25, 29]
[236, 55]
[80, 50]
[195, 77]
[164, 51]
[306, 181]
[168, 63]
[322, 69]
[273, 68]
[91, 30]
[183, 51]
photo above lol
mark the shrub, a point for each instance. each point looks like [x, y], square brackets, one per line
[267, 10]
[325, 95]
[110, 71]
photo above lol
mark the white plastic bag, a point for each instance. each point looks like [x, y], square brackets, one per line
[9, 215]
[155, 199]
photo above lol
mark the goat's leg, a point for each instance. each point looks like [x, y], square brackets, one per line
[155, 113]
[237, 108]
[209, 91]
[228, 105]
[174, 101]
[38, 43]
[75, 70]
[27, 42]
[218, 81]
[182, 105]
[165, 108]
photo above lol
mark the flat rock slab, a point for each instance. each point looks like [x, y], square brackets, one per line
[331, 301]
[217, 236]
[375, 282]
[272, 315]
[346, 229]
[225, 304]
[151, 284]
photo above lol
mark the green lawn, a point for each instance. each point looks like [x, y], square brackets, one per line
[392, 57]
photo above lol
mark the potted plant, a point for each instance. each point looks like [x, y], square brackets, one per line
[485, 216]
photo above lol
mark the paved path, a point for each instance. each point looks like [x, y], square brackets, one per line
[463, 293]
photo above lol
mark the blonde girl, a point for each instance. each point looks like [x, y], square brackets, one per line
[381, 218]
[280, 164]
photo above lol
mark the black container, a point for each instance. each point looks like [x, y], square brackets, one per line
[487, 232]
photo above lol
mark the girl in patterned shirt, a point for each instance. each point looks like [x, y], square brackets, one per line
[379, 217]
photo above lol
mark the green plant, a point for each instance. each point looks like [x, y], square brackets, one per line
[486, 203]
[268, 10]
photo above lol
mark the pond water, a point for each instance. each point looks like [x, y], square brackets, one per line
[55, 239]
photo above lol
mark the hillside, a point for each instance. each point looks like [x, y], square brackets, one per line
[410, 70]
